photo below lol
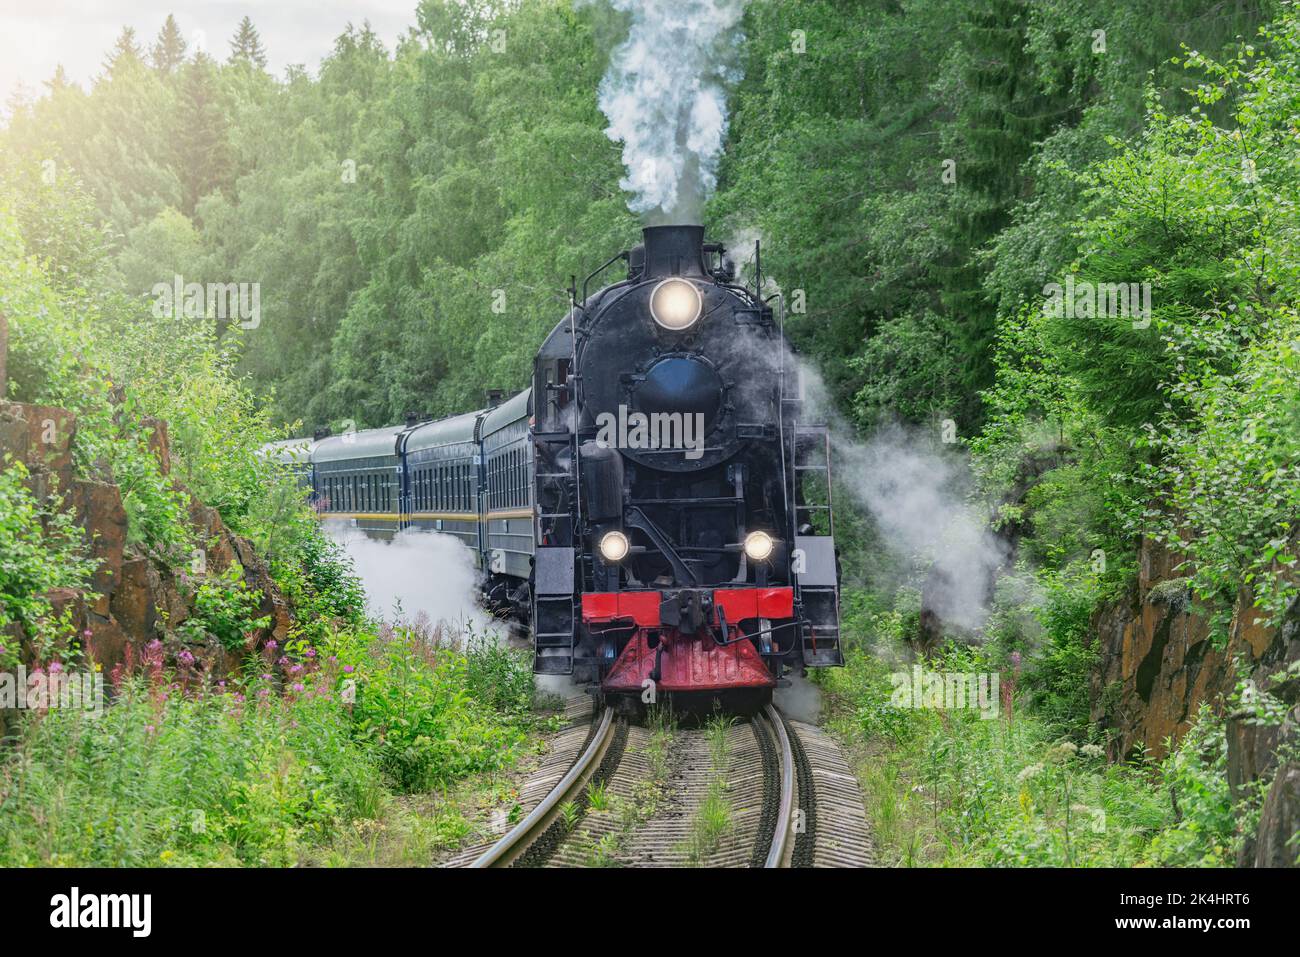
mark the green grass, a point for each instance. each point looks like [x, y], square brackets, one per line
[662, 725]
[274, 771]
[713, 818]
[597, 796]
[952, 789]
[604, 852]
[717, 729]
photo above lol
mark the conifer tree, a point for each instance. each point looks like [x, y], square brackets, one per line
[201, 142]
[60, 81]
[126, 52]
[246, 45]
[1001, 111]
[169, 49]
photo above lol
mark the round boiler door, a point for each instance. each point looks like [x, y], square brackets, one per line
[681, 384]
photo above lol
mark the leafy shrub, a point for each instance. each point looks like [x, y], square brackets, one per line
[224, 607]
[40, 549]
[1226, 479]
[1056, 679]
[864, 690]
[1208, 829]
[498, 676]
[909, 368]
[416, 705]
[328, 571]
[861, 691]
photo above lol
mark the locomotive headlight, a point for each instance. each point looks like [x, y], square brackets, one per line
[676, 304]
[614, 546]
[758, 546]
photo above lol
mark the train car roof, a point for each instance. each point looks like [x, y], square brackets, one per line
[358, 445]
[511, 410]
[432, 435]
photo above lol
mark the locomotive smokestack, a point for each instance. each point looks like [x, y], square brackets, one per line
[674, 251]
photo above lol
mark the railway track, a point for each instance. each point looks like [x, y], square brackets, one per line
[766, 792]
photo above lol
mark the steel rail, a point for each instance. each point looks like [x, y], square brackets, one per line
[782, 846]
[504, 852]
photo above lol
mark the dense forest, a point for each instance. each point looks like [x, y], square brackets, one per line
[915, 169]
[954, 196]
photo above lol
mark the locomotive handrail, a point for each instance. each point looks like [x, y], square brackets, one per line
[596, 272]
[787, 484]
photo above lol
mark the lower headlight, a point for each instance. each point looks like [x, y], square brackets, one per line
[758, 546]
[614, 546]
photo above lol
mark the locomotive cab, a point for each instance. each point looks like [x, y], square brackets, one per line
[685, 548]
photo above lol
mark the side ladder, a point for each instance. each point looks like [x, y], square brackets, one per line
[554, 627]
[818, 583]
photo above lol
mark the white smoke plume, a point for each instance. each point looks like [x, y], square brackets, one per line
[419, 573]
[918, 498]
[664, 95]
[918, 493]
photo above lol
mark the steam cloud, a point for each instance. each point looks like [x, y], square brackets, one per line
[919, 498]
[665, 97]
[419, 573]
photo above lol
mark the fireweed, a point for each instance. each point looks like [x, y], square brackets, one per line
[184, 769]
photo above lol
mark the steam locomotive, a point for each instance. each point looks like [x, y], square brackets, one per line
[653, 506]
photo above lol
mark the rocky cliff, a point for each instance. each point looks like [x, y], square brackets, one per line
[1158, 665]
[133, 598]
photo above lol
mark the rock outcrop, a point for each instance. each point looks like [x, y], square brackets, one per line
[133, 597]
[1158, 665]
[1275, 842]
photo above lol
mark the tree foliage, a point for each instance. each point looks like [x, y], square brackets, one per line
[413, 215]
